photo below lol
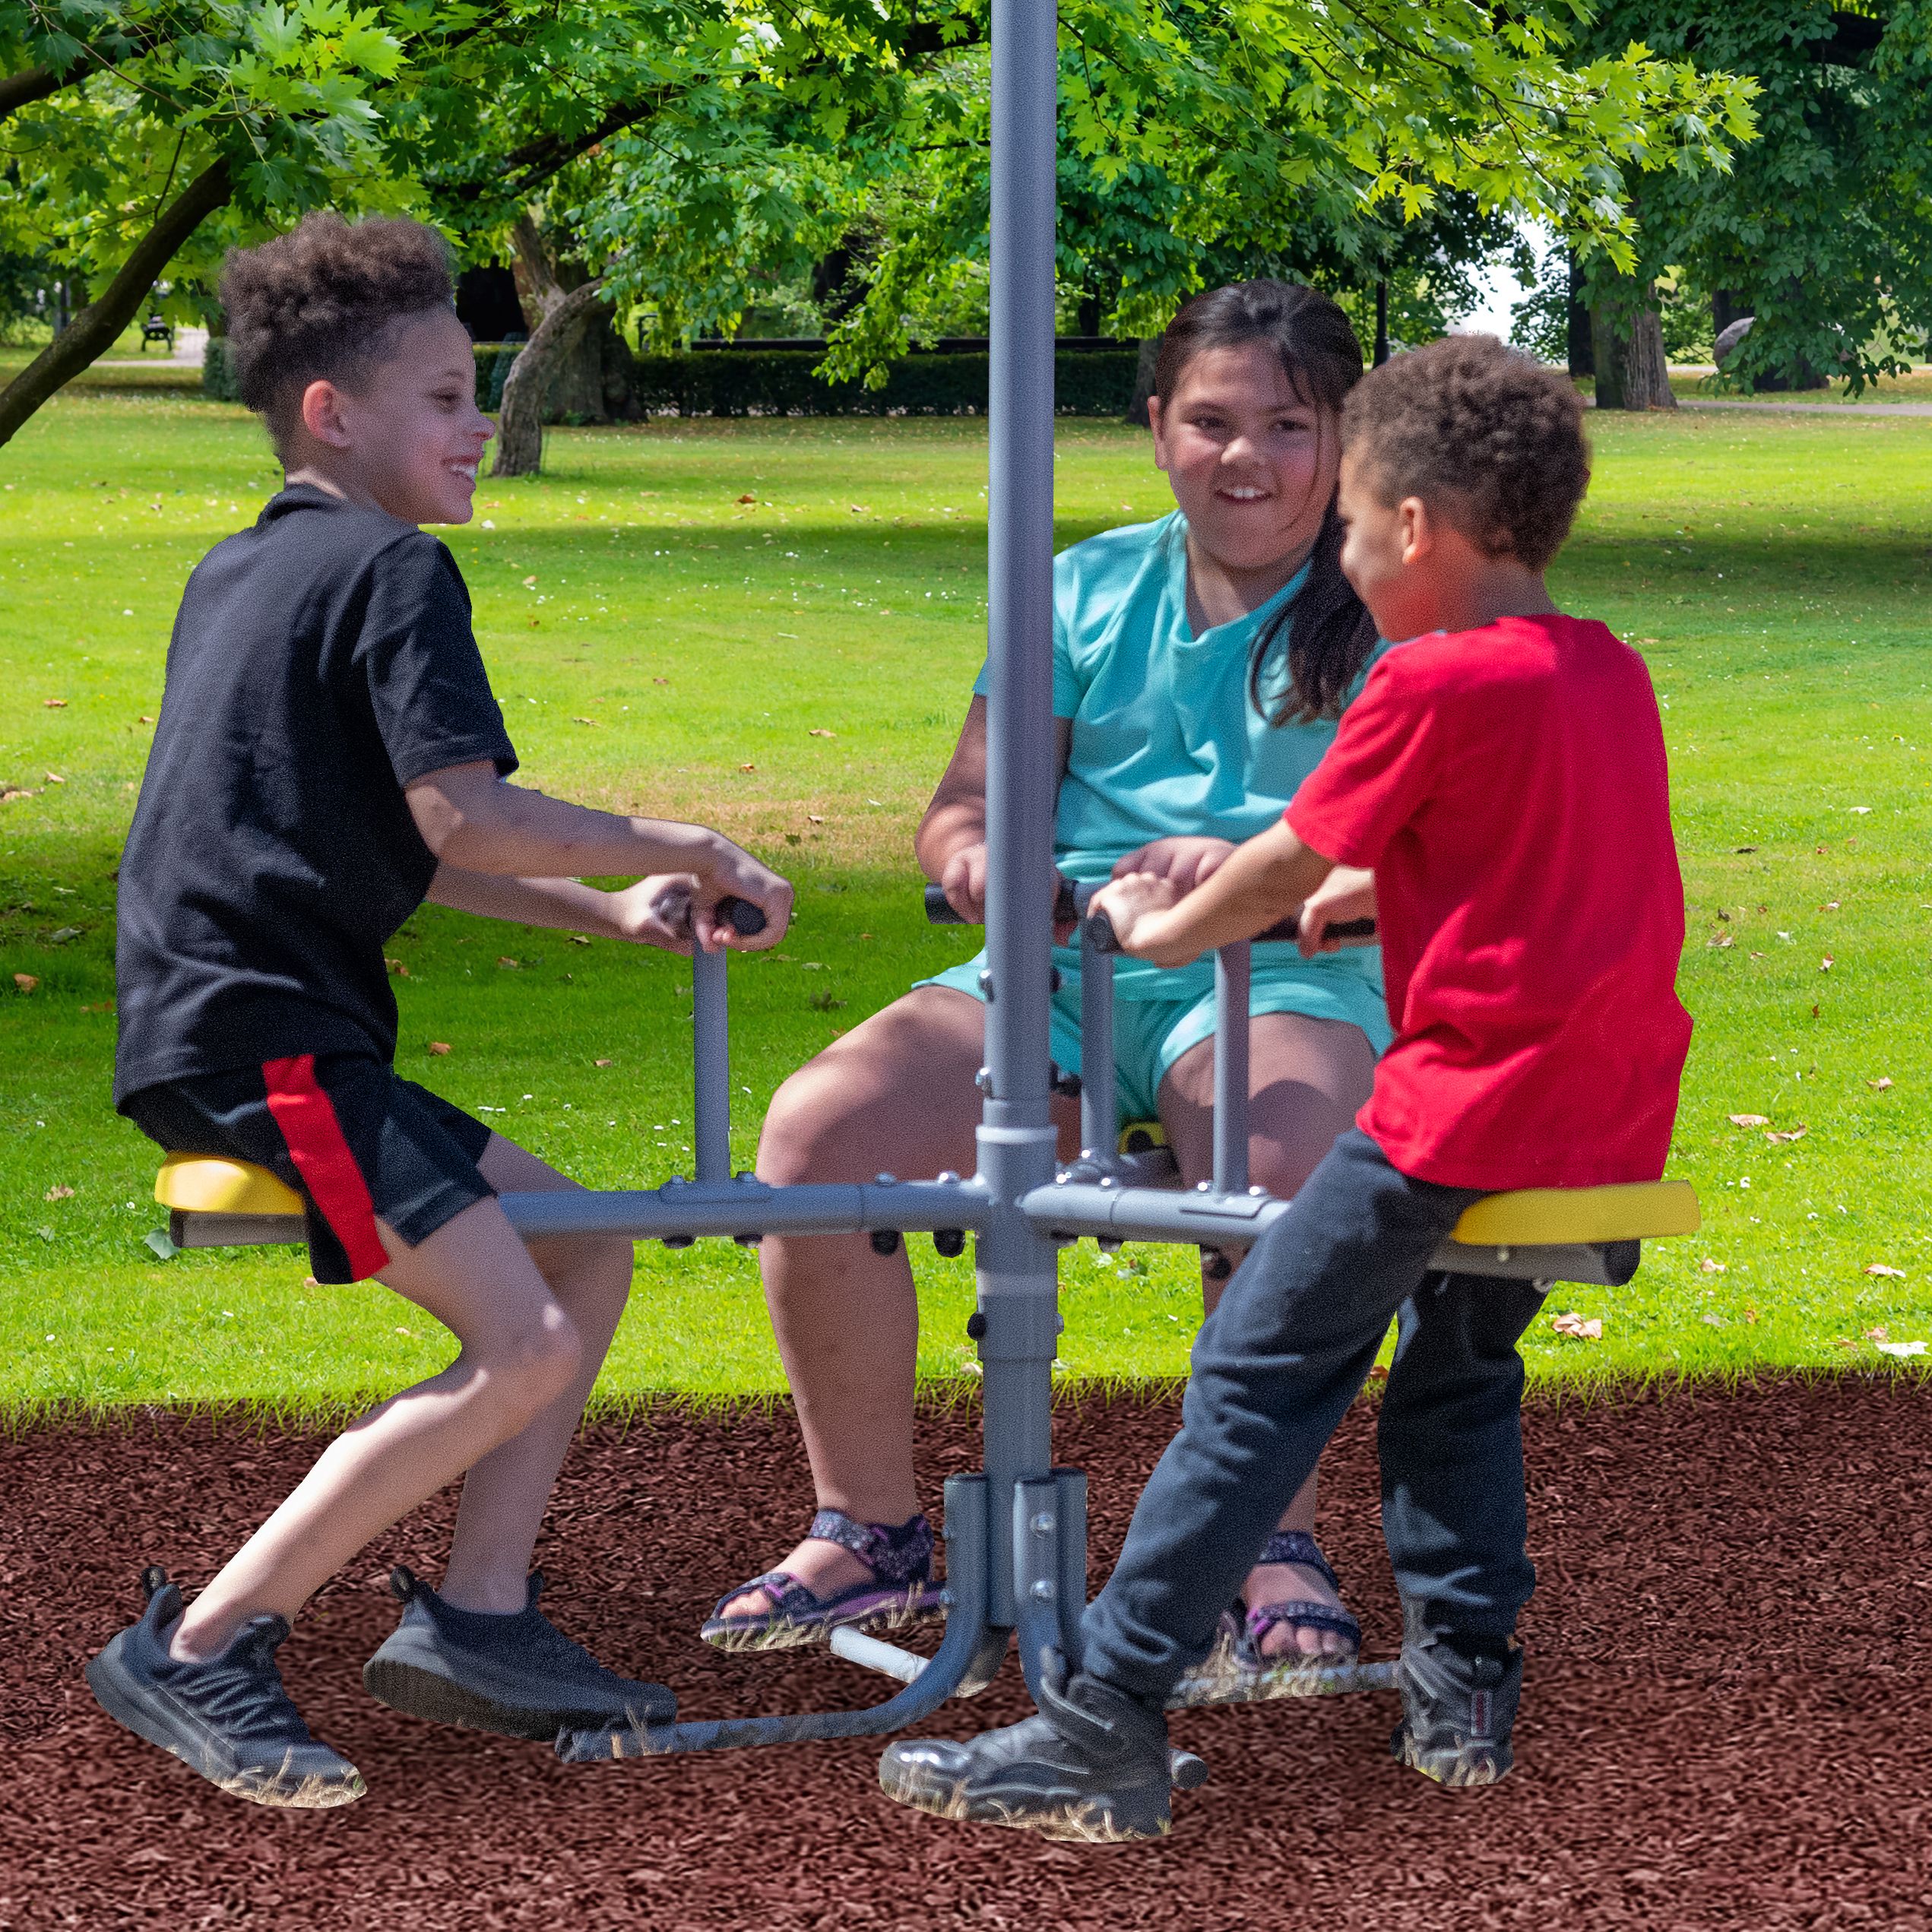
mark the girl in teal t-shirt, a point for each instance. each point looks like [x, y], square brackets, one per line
[1200, 663]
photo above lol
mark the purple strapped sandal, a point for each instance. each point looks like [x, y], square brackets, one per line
[1235, 1672]
[1296, 1546]
[900, 1591]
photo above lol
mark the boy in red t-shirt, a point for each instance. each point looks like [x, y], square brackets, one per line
[1502, 774]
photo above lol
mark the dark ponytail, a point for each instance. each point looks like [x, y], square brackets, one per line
[1328, 634]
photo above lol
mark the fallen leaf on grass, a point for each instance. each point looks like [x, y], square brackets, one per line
[1573, 1325]
[1877, 1334]
[1750, 1315]
[823, 1002]
[1741, 850]
[1796, 1133]
[583, 720]
[1722, 939]
[529, 583]
[1879, 1086]
[61, 934]
[396, 967]
[58, 1194]
[24, 982]
[439, 1045]
[13, 792]
[1707, 1266]
[748, 767]
[748, 499]
[1901, 1349]
[661, 680]
[53, 778]
[54, 704]
[602, 1063]
[507, 960]
[1749, 1119]
[1825, 964]
[1890, 1273]
[816, 733]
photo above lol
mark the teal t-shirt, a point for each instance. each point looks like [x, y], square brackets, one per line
[1166, 743]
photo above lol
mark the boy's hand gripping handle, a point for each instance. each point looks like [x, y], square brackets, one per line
[1101, 936]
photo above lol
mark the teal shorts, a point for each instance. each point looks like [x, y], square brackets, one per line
[1149, 1035]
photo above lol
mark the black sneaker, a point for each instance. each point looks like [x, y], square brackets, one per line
[1459, 1697]
[227, 1718]
[1092, 1767]
[518, 1675]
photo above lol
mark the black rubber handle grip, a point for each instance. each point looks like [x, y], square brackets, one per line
[741, 916]
[1100, 931]
[939, 909]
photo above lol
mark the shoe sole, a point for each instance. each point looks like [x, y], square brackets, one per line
[744, 1640]
[1071, 1818]
[1223, 1677]
[1461, 1768]
[131, 1703]
[419, 1687]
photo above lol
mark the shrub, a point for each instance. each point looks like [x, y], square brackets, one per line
[218, 372]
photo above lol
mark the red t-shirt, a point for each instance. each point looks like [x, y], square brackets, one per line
[1508, 785]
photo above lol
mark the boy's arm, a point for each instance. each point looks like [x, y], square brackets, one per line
[653, 912]
[1259, 884]
[473, 822]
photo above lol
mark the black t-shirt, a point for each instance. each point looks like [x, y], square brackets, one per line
[321, 661]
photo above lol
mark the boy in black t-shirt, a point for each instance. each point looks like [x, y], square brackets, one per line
[329, 755]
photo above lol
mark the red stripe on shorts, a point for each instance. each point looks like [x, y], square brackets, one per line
[308, 1121]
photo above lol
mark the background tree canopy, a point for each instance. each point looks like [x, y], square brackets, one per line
[683, 153]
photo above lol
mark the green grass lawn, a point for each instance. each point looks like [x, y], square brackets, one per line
[660, 644]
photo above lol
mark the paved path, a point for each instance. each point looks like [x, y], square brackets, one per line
[189, 344]
[1808, 409]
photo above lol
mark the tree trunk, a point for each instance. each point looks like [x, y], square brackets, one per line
[1582, 351]
[93, 331]
[1629, 353]
[1381, 323]
[591, 376]
[1150, 354]
[519, 428]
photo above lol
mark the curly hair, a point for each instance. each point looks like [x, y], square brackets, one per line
[323, 302]
[1308, 655]
[1495, 438]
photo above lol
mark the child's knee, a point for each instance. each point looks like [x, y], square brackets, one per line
[529, 1367]
[806, 1128]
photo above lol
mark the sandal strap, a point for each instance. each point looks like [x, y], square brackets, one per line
[896, 1554]
[1305, 1616]
[1296, 1546]
[789, 1597]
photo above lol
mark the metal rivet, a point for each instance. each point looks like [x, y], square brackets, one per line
[1041, 1525]
[886, 1180]
[1042, 1592]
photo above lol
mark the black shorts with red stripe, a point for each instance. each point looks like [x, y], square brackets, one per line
[358, 1143]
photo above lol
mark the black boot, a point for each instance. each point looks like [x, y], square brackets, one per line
[1092, 1767]
[1459, 1697]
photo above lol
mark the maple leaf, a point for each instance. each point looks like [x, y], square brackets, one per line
[1879, 1086]
[1891, 1274]
[25, 982]
[1749, 1119]
[1707, 1266]
[1796, 1133]
[439, 1045]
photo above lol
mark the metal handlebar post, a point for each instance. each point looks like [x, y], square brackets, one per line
[1233, 976]
[1100, 1083]
[710, 1048]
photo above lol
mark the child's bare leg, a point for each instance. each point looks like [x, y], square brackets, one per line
[520, 1352]
[896, 1095]
[1307, 1079]
[504, 1495]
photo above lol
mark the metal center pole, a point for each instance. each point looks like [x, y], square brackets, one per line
[1019, 1319]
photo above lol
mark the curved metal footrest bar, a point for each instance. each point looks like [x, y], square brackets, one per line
[966, 1580]
[1220, 1680]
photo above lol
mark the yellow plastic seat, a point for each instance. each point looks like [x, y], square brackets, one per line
[207, 1184]
[1142, 1136]
[1563, 1217]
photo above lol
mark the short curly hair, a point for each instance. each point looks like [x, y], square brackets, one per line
[322, 303]
[1496, 437]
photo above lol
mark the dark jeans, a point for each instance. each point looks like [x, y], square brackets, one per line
[1276, 1367]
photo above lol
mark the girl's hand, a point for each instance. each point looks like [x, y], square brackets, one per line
[1136, 907]
[963, 880]
[656, 911]
[1187, 861]
[1346, 894]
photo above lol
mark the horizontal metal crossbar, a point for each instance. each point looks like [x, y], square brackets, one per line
[748, 1207]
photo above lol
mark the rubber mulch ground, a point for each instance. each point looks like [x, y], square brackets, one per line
[1728, 1722]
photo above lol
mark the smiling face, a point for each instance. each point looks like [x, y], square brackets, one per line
[1251, 463]
[409, 435]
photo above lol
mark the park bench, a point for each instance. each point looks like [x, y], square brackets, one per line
[156, 329]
